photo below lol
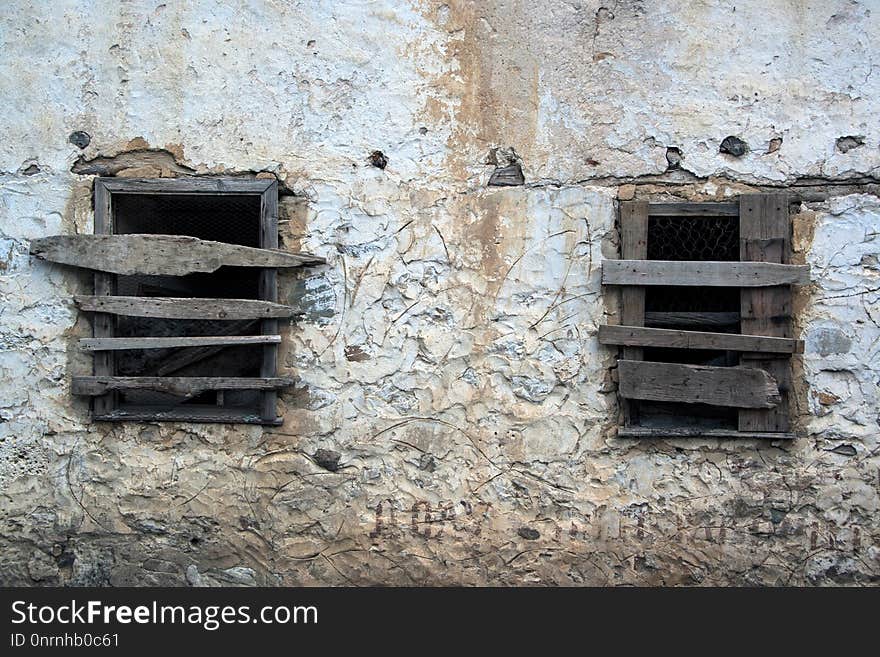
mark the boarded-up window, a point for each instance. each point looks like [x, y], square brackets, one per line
[185, 319]
[705, 325]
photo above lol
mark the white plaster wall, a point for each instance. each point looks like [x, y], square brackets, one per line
[477, 440]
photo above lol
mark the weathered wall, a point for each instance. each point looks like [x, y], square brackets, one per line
[449, 353]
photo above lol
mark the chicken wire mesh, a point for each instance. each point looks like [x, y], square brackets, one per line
[693, 238]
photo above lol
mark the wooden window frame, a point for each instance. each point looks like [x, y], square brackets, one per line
[105, 406]
[763, 274]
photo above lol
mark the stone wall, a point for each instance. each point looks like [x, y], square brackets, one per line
[455, 421]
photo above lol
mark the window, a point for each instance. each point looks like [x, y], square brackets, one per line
[185, 319]
[705, 327]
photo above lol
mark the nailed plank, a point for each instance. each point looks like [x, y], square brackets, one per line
[656, 337]
[691, 319]
[695, 432]
[765, 235]
[186, 386]
[633, 246]
[738, 387]
[184, 308]
[693, 209]
[186, 185]
[103, 324]
[702, 273]
[184, 414]
[268, 290]
[116, 344]
[159, 255]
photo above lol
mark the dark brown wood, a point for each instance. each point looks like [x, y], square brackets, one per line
[693, 209]
[765, 235]
[702, 273]
[159, 255]
[191, 185]
[268, 291]
[201, 414]
[687, 432]
[708, 320]
[186, 386]
[655, 337]
[103, 324]
[184, 308]
[737, 387]
[633, 246]
[117, 344]
[191, 355]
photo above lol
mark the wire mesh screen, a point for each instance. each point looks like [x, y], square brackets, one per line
[693, 238]
[222, 218]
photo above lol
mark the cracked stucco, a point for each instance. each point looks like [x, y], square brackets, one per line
[448, 354]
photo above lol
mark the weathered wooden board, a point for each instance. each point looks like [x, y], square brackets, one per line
[187, 386]
[159, 255]
[633, 246]
[765, 235]
[696, 432]
[656, 337]
[201, 413]
[116, 344]
[269, 292]
[708, 319]
[103, 324]
[738, 387]
[184, 308]
[693, 209]
[702, 273]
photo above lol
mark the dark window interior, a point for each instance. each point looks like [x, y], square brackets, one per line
[714, 309]
[222, 218]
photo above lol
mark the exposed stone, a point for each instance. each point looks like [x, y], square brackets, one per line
[673, 157]
[827, 399]
[378, 159]
[528, 533]
[79, 139]
[626, 192]
[327, 459]
[734, 146]
[507, 176]
[132, 160]
[848, 143]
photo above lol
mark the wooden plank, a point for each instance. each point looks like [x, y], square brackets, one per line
[187, 386]
[702, 273]
[693, 209]
[738, 387]
[695, 432]
[185, 357]
[189, 413]
[765, 235]
[656, 337]
[188, 185]
[633, 246]
[268, 291]
[184, 308]
[116, 344]
[103, 324]
[660, 319]
[159, 255]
